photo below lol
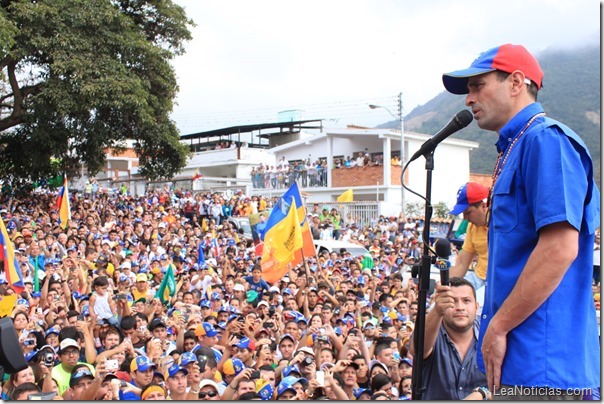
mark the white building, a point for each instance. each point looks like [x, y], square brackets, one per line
[230, 168]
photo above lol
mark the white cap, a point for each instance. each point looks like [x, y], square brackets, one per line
[239, 287]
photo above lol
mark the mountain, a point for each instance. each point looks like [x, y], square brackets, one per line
[570, 94]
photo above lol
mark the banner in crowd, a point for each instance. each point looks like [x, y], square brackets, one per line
[63, 205]
[14, 277]
[279, 212]
[167, 287]
[281, 242]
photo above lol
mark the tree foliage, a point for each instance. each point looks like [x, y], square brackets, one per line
[79, 77]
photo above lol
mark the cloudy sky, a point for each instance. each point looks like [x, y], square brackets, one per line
[329, 59]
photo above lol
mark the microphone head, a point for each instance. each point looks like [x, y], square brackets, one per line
[463, 118]
[442, 248]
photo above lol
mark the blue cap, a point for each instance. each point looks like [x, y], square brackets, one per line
[223, 309]
[293, 380]
[287, 291]
[163, 257]
[244, 343]
[215, 296]
[289, 369]
[124, 278]
[357, 392]
[11, 225]
[206, 329]
[205, 303]
[337, 330]
[31, 355]
[175, 368]
[222, 325]
[283, 387]
[76, 295]
[36, 294]
[266, 392]
[186, 358]
[142, 363]
[51, 330]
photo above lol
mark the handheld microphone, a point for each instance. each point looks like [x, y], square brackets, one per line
[459, 121]
[442, 247]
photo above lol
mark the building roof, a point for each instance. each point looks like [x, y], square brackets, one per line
[233, 130]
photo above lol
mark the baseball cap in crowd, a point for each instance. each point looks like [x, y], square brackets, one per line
[283, 336]
[186, 358]
[205, 303]
[283, 387]
[288, 370]
[357, 392]
[468, 194]
[215, 296]
[141, 363]
[245, 343]
[156, 322]
[239, 287]
[507, 58]
[265, 389]
[205, 329]
[232, 366]
[23, 302]
[175, 368]
[262, 303]
[376, 362]
[124, 278]
[68, 343]
[141, 277]
[126, 264]
[52, 330]
[274, 289]
[79, 374]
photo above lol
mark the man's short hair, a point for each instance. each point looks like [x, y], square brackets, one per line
[24, 388]
[457, 281]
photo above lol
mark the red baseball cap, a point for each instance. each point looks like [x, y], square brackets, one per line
[468, 194]
[507, 58]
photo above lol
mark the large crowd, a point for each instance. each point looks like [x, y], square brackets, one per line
[95, 323]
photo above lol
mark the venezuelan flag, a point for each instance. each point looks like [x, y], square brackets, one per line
[11, 266]
[280, 211]
[281, 242]
[63, 205]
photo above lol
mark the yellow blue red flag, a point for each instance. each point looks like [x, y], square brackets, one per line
[14, 277]
[63, 204]
[280, 211]
[281, 242]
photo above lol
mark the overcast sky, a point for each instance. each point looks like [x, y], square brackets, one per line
[248, 60]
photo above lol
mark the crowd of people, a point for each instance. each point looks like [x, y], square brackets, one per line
[92, 324]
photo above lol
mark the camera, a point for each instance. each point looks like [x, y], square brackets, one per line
[29, 342]
[307, 361]
[48, 359]
[267, 324]
[271, 311]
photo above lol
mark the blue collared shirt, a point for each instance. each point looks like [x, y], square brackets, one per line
[547, 179]
[445, 375]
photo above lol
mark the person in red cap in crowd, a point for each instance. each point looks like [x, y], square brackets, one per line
[472, 202]
[544, 210]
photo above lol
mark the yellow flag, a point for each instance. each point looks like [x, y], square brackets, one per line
[346, 196]
[281, 242]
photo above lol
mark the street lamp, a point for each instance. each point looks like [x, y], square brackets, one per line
[402, 122]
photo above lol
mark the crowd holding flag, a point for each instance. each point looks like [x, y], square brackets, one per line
[281, 242]
[167, 287]
[63, 205]
[14, 277]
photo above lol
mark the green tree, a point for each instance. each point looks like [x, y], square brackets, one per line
[79, 77]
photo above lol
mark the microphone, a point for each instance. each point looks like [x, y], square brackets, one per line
[442, 247]
[459, 121]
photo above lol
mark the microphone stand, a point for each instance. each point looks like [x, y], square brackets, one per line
[423, 287]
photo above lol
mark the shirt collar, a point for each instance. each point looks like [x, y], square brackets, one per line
[511, 129]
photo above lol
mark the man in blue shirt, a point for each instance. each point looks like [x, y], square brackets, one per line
[543, 213]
